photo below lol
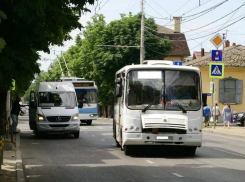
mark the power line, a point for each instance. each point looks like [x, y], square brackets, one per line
[213, 7]
[181, 7]
[215, 20]
[195, 7]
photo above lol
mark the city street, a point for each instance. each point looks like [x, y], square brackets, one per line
[95, 157]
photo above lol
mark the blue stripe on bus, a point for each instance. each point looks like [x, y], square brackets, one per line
[88, 110]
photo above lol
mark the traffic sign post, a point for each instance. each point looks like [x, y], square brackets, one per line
[216, 70]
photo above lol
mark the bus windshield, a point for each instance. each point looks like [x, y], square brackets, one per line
[86, 95]
[163, 90]
[57, 99]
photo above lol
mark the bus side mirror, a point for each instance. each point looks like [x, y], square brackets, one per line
[80, 105]
[118, 90]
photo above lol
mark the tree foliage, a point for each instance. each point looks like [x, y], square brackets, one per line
[32, 26]
[92, 61]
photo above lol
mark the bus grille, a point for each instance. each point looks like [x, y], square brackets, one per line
[164, 125]
[58, 118]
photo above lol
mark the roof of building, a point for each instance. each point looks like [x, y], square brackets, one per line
[197, 54]
[233, 56]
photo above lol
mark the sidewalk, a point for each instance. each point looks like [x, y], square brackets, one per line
[234, 131]
[11, 169]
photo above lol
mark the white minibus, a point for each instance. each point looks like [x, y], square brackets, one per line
[54, 109]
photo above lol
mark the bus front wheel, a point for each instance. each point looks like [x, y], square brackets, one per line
[89, 122]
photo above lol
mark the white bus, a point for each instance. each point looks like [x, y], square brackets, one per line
[87, 97]
[158, 103]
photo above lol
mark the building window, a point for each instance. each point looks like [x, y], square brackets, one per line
[230, 90]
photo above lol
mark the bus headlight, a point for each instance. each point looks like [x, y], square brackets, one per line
[93, 115]
[75, 117]
[131, 128]
[41, 117]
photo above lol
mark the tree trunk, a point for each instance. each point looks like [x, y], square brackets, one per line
[106, 111]
[3, 97]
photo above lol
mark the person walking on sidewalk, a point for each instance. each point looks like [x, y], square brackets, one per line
[215, 113]
[206, 114]
[227, 113]
[15, 113]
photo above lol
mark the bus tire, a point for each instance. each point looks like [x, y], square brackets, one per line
[89, 122]
[76, 135]
[128, 150]
[190, 151]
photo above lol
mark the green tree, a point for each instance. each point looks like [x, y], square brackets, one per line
[92, 61]
[32, 26]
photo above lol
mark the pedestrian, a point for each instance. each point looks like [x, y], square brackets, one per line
[227, 114]
[15, 113]
[206, 114]
[216, 113]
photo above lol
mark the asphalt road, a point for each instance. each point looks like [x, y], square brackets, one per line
[95, 157]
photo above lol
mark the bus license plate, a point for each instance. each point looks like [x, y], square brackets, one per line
[58, 129]
[162, 138]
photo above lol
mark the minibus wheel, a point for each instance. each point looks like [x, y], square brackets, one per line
[77, 134]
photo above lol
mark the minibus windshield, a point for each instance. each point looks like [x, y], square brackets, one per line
[174, 90]
[57, 99]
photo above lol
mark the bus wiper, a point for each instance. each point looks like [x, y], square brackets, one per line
[176, 103]
[150, 104]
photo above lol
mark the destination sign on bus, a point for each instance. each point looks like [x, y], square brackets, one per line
[88, 84]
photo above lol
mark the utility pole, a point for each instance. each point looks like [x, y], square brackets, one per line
[142, 46]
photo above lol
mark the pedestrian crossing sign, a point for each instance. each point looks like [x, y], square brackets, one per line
[216, 70]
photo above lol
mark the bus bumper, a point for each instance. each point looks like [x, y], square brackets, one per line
[88, 116]
[162, 139]
[71, 127]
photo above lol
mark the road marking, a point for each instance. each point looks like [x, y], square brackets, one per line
[101, 128]
[107, 134]
[149, 161]
[229, 152]
[178, 175]
[84, 128]
[35, 143]
[93, 135]
[103, 140]
[220, 135]
[33, 176]
[31, 166]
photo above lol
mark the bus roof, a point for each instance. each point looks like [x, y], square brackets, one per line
[157, 66]
[56, 86]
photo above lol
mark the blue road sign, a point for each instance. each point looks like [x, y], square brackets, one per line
[209, 94]
[179, 63]
[216, 55]
[216, 70]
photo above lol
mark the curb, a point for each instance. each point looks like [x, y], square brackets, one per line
[224, 134]
[19, 164]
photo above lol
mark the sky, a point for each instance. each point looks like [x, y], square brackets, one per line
[201, 20]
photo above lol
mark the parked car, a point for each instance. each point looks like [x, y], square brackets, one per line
[238, 118]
